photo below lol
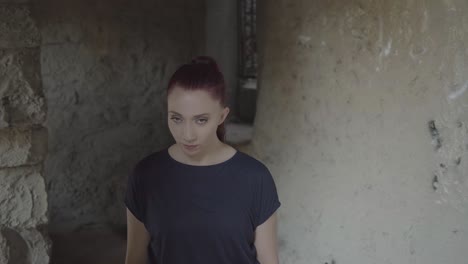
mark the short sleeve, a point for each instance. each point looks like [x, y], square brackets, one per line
[134, 196]
[266, 197]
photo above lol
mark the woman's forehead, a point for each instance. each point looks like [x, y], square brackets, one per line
[191, 102]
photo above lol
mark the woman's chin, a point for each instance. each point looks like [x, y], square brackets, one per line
[190, 149]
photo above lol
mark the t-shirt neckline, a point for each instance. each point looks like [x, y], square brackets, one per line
[201, 166]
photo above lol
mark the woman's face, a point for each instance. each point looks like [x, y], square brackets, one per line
[193, 119]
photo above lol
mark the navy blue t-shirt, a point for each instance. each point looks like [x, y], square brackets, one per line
[201, 214]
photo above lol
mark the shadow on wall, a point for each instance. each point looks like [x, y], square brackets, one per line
[104, 69]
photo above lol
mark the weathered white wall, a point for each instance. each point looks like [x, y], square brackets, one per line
[105, 67]
[348, 90]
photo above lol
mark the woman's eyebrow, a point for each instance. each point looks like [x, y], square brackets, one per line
[196, 116]
[202, 115]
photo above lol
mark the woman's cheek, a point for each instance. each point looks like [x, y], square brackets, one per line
[174, 131]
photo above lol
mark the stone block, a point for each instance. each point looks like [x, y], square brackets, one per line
[16, 247]
[19, 148]
[18, 29]
[23, 246]
[22, 101]
[4, 250]
[39, 245]
[23, 198]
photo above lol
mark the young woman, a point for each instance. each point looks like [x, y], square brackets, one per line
[200, 201]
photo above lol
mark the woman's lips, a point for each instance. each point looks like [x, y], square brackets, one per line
[190, 147]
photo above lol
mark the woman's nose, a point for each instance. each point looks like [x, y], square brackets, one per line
[189, 133]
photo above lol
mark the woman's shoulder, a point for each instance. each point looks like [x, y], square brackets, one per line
[251, 162]
[156, 158]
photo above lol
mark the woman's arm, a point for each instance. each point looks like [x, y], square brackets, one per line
[137, 240]
[266, 241]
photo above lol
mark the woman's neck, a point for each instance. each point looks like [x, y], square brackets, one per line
[214, 154]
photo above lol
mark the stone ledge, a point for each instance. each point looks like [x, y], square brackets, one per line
[19, 148]
[17, 27]
[23, 198]
[238, 133]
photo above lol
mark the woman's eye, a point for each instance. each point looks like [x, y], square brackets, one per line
[202, 121]
[176, 119]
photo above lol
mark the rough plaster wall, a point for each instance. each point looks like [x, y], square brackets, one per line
[23, 139]
[105, 66]
[363, 120]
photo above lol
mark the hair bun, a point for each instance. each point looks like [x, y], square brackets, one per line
[206, 60]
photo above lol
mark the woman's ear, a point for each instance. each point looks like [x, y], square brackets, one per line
[224, 114]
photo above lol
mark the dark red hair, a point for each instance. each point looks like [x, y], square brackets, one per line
[202, 73]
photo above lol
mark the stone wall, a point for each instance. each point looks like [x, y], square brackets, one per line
[363, 119]
[105, 67]
[23, 139]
